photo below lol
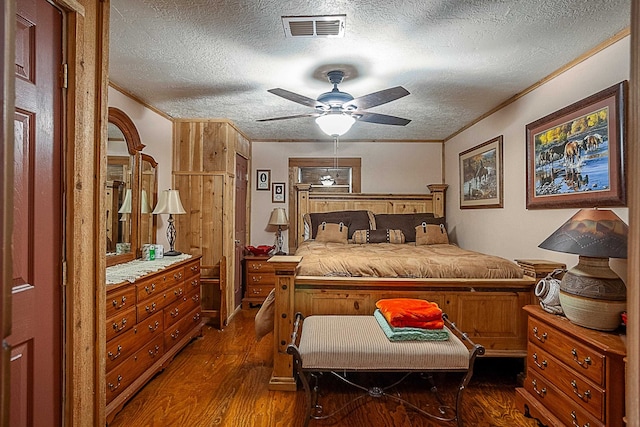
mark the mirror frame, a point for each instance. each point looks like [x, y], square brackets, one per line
[152, 198]
[134, 145]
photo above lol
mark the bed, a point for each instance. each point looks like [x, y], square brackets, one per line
[485, 300]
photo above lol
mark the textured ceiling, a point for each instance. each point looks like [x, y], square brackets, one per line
[458, 59]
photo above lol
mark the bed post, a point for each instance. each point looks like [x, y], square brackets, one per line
[438, 191]
[282, 376]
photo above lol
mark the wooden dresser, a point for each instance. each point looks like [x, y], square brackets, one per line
[259, 279]
[148, 322]
[575, 376]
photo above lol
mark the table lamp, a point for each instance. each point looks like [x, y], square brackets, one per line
[169, 203]
[279, 218]
[591, 294]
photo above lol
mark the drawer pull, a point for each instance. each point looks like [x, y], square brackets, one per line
[196, 317]
[150, 290]
[542, 365]
[584, 396]
[195, 298]
[194, 268]
[541, 338]
[540, 393]
[115, 356]
[194, 283]
[114, 387]
[174, 313]
[121, 327]
[256, 278]
[177, 276]
[175, 334]
[154, 352]
[584, 363]
[154, 326]
[256, 291]
[574, 420]
[115, 303]
[150, 308]
[178, 292]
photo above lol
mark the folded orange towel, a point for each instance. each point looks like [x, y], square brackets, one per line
[408, 312]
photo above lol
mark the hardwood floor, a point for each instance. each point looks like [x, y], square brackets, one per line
[221, 379]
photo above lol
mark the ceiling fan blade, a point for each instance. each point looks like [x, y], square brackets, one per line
[297, 116]
[300, 99]
[382, 119]
[377, 98]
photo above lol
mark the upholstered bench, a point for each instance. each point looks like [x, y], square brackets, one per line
[342, 344]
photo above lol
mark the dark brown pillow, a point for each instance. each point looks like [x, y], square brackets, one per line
[407, 223]
[354, 220]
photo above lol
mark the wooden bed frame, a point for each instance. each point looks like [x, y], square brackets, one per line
[490, 310]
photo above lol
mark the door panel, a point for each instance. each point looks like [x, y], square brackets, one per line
[241, 225]
[35, 340]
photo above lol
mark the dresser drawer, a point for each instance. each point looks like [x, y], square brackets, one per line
[176, 292]
[582, 391]
[120, 300]
[567, 411]
[191, 269]
[124, 345]
[120, 323]
[128, 371]
[150, 306]
[157, 284]
[176, 310]
[181, 328]
[575, 355]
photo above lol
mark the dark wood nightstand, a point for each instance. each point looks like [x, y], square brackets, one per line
[259, 279]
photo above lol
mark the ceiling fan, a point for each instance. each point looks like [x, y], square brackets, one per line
[336, 111]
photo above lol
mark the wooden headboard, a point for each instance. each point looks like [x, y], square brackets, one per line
[307, 201]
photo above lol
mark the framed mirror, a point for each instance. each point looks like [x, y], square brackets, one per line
[122, 188]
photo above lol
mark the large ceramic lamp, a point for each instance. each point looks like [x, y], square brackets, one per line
[591, 294]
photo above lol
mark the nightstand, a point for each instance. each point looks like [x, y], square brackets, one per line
[259, 279]
[575, 376]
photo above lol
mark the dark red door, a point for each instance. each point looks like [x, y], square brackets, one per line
[241, 226]
[37, 250]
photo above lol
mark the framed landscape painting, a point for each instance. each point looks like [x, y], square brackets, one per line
[575, 156]
[481, 176]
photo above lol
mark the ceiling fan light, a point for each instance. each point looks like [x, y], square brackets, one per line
[335, 124]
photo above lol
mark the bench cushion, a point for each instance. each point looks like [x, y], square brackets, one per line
[358, 343]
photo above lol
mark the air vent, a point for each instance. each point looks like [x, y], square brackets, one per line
[314, 26]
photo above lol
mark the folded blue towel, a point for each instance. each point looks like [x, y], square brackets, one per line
[410, 334]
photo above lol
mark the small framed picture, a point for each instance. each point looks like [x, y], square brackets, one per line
[481, 176]
[263, 179]
[277, 192]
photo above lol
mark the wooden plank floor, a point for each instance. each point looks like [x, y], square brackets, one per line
[221, 379]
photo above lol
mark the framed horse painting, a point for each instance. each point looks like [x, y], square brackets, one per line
[481, 176]
[575, 156]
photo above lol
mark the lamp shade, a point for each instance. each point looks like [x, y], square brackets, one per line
[335, 124]
[144, 206]
[126, 203]
[278, 217]
[169, 203]
[598, 233]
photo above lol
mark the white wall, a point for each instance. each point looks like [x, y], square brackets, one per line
[386, 168]
[515, 232]
[156, 133]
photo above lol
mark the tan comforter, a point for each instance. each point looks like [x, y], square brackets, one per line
[407, 260]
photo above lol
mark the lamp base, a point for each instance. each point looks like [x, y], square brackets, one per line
[172, 253]
[592, 295]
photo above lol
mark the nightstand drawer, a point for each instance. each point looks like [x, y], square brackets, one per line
[258, 291]
[583, 392]
[259, 266]
[583, 359]
[261, 279]
[569, 412]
